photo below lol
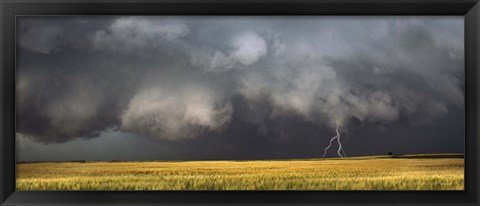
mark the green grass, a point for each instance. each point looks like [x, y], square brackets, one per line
[408, 172]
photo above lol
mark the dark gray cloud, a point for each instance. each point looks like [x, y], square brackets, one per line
[238, 83]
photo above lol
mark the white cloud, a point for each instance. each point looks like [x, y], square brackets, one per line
[248, 48]
[128, 33]
[244, 50]
[180, 114]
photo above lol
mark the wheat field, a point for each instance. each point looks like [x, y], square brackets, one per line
[414, 172]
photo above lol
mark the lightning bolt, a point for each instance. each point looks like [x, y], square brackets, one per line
[340, 148]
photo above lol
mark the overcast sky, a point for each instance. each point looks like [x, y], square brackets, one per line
[198, 87]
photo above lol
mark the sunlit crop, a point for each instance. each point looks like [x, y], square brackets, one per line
[370, 173]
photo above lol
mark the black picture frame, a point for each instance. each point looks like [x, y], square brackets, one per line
[470, 9]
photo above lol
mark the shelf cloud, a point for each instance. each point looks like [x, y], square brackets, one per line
[187, 78]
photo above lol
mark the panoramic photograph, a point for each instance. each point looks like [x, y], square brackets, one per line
[240, 103]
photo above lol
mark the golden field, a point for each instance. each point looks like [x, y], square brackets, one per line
[408, 172]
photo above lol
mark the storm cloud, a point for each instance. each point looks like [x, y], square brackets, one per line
[186, 78]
